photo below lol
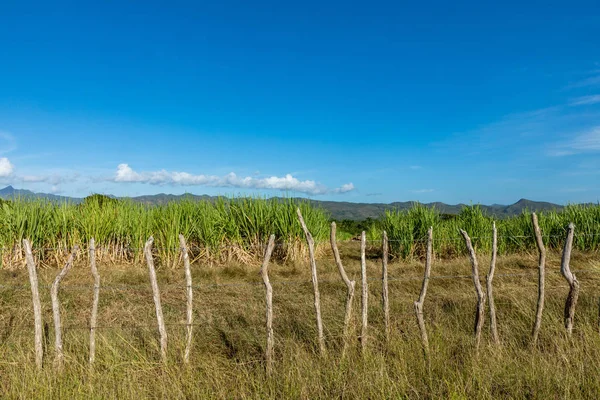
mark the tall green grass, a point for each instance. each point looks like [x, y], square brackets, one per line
[407, 230]
[224, 229]
[236, 229]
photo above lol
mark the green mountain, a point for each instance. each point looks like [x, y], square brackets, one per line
[339, 210]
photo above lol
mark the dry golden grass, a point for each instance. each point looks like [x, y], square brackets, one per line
[229, 334]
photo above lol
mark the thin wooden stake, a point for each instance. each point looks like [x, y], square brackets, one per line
[479, 316]
[58, 344]
[384, 287]
[419, 303]
[94, 317]
[565, 270]
[37, 306]
[349, 286]
[599, 315]
[264, 271]
[190, 298]
[541, 278]
[156, 295]
[365, 291]
[488, 280]
[315, 281]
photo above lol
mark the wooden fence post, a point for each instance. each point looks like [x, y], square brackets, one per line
[365, 291]
[37, 306]
[571, 279]
[58, 344]
[384, 286]
[541, 277]
[190, 297]
[94, 317]
[349, 286]
[419, 303]
[156, 295]
[478, 289]
[488, 280]
[315, 281]
[264, 271]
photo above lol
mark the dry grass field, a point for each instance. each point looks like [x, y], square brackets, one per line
[227, 359]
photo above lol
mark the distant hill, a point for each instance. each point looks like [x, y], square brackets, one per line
[339, 210]
[361, 211]
[10, 192]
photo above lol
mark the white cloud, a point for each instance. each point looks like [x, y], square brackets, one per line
[593, 80]
[6, 168]
[288, 182]
[53, 179]
[8, 175]
[7, 142]
[348, 187]
[422, 191]
[588, 141]
[55, 189]
[585, 100]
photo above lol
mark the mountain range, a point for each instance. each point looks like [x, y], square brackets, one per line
[339, 210]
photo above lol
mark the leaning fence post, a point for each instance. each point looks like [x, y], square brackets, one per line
[264, 271]
[156, 295]
[419, 303]
[384, 286]
[315, 281]
[488, 280]
[58, 344]
[570, 277]
[365, 291]
[94, 317]
[541, 277]
[478, 289]
[349, 285]
[37, 307]
[190, 296]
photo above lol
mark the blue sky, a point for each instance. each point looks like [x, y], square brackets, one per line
[373, 101]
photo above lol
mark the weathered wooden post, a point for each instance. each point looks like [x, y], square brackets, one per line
[58, 344]
[365, 292]
[315, 281]
[96, 298]
[264, 271]
[541, 277]
[190, 297]
[565, 269]
[156, 295]
[419, 303]
[385, 301]
[488, 280]
[478, 289]
[349, 286]
[37, 306]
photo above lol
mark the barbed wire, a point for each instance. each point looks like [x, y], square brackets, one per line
[261, 246]
[147, 287]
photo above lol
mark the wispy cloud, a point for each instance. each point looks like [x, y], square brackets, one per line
[574, 190]
[590, 81]
[9, 174]
[8, 142]
[422, 190]
[52, 179]
[348, 187]
[125, 174]
[415, 167]
[584, 142]
[585, 100]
